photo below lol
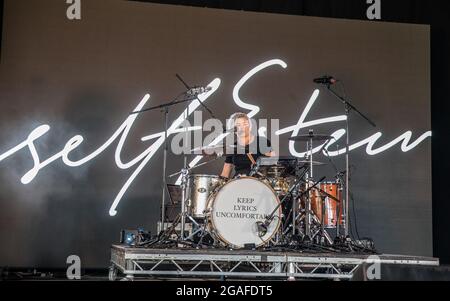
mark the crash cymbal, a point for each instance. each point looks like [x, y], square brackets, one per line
[306, 138]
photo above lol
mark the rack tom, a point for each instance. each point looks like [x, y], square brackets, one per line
[199, 189]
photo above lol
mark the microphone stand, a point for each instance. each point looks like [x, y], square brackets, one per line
[201, 102]
[183, 214]
[348, 107]
[165, 108]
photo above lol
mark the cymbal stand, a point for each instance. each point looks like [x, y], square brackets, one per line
[184, 180]
[165, 107]
[184, 195]
[184, 213]
[309, 217]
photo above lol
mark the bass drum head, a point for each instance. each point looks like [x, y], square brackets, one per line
[237, 207]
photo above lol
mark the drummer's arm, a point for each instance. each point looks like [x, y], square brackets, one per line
[226, 171]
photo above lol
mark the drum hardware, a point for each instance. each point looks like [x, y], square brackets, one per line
[184, 185]
[196, 228]
[165, 107]
[184, 175]
[280, 172]
[310, 137]
[203, 232]
[341, 213]
[294, 173]
[272, 169]
[188, 96]
[318, 223]
[262, 226]
[348, 107]
[316, 228]
[194, 167]
[310, 220]
[309, 146]
[289, 163]
[196, 190]
[186, 181]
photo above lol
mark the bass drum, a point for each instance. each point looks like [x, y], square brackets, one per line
[237, 207]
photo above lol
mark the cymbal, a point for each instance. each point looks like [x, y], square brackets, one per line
[311, 137]
[314, 163]
[214, 149]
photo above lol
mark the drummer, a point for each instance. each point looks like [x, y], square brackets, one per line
[249, 147]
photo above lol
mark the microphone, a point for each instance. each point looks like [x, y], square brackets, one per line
[326, 79]
[198, 90]
[262, 227]
[341, 174]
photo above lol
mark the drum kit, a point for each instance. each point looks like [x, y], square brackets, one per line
[276, 204]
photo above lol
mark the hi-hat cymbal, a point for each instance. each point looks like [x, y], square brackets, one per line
[213, 150]
[311, 138]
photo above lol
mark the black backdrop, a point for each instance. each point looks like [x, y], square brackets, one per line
[436, 13]
[354, 9]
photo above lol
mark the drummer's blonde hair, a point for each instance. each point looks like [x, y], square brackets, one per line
[236, 116]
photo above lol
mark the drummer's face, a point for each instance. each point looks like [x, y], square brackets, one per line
[242, 126]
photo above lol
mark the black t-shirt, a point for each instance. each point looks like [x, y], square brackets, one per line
[241, 162]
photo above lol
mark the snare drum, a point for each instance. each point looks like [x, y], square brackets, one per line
[277, 176]
[236, 208]
[200, 188]
[274, 171]
[281, 185]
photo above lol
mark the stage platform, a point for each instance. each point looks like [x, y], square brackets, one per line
[131, 262]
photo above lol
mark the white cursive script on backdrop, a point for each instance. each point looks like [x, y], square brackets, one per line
[144, 158]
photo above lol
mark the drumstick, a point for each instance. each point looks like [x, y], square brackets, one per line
[250, 157]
